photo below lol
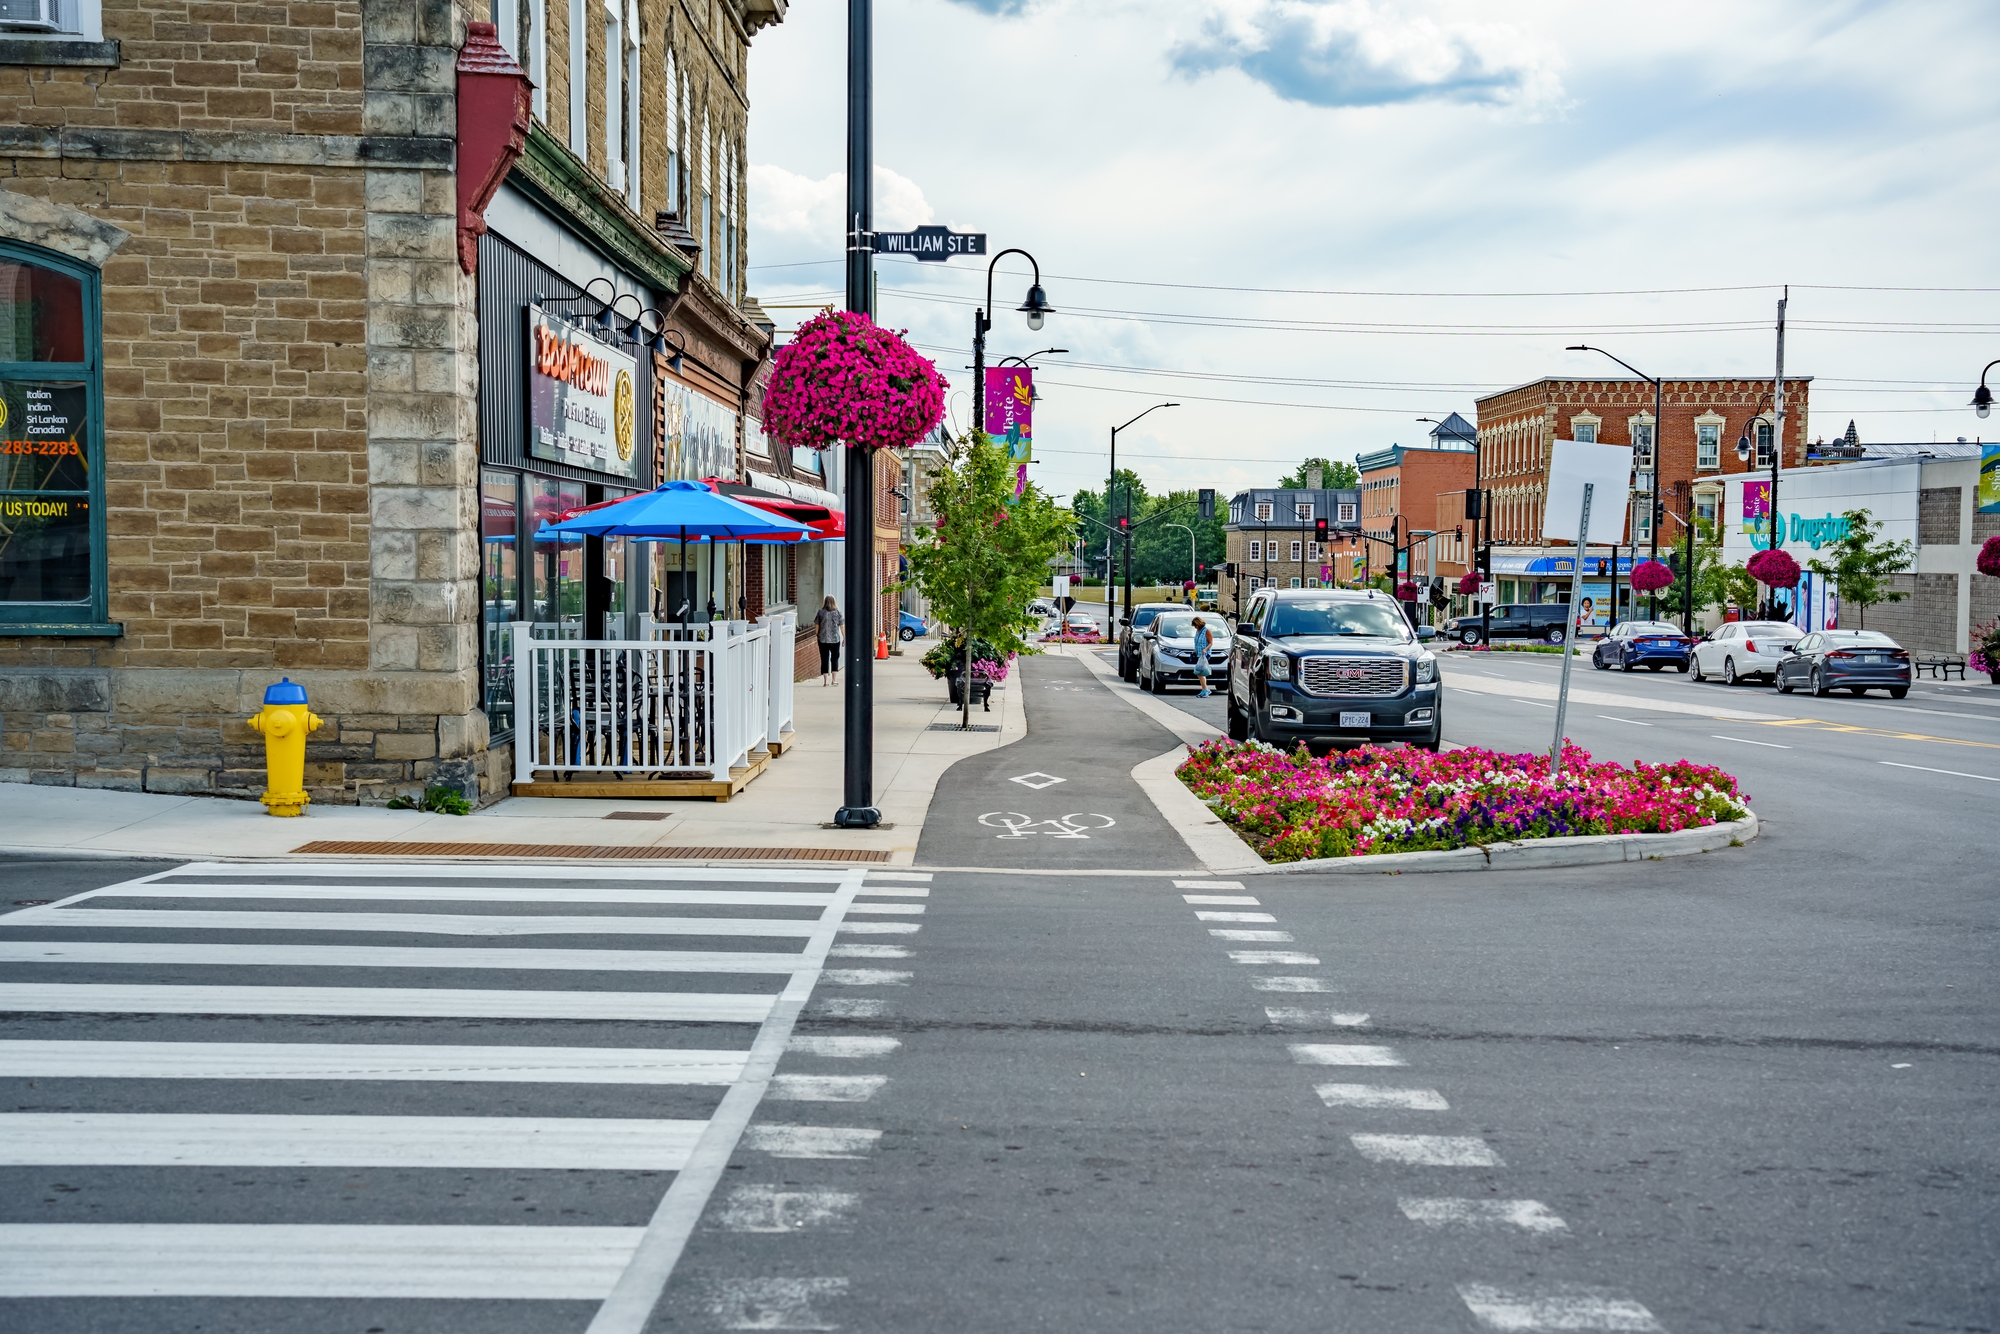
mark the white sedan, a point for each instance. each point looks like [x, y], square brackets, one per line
[1743, 649]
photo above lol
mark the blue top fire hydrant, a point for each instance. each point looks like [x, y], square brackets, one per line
[284, 721]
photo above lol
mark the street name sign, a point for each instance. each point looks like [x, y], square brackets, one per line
[930, 245]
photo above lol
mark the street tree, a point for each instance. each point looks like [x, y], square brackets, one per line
[1863, 562]
[1335, 474]
[989, 554]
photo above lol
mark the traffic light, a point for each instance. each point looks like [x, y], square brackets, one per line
[1319, 530]
[1208, 502]
[1124, 523]
[1459, 532]
[1472, 506]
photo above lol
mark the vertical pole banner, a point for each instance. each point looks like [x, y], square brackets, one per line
[1010, 412]
[1989, 479]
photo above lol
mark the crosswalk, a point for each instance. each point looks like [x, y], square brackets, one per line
[372, 1027]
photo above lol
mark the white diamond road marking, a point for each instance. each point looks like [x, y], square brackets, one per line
[1427, 1150]
[1383, 1096]
[1036, 781]
[1528, 1215]
[1330, 1053]
[1296, 1014]
[1558, 1306]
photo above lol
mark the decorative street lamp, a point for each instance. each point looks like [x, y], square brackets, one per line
[1110, 490]
[1034, 394]
[1652, 492]
[1744, 452]
[1036, 307]
[1982, 397]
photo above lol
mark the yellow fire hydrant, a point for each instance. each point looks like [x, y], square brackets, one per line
[284, 723]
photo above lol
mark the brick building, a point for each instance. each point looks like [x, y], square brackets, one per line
[1407, 481]
[1696, 445]
[1270, 539]
[290, 283]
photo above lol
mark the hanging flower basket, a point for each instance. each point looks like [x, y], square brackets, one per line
[1651, 576]
[1774, 568]
[1468, 584]
[1406, 592]
[843, 379]
[1989, 557]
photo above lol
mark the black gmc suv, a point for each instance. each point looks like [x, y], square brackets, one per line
[1332, 667]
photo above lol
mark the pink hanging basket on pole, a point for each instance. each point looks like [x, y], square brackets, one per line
[1468, 584]
[1651, 576]
[1774, 569]
[1989, 557]
[845, 380]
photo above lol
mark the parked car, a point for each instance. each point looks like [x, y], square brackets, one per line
[1167, 655]
[1332, 667]
[1743, 649]
[1080, 622]
[911, 627]
[1854, 660]
[1654, 645]
[1546, 621]
[1138, 619]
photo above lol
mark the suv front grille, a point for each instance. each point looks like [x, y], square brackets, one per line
[1353, 677]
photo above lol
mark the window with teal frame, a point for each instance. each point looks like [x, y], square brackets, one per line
[52, 579]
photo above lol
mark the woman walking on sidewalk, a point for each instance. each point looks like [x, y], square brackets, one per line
[827, 621]
[1202, 640]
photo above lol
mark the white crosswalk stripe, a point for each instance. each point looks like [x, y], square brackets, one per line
[170, 956]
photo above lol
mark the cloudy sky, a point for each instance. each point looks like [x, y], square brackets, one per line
[1313, 221]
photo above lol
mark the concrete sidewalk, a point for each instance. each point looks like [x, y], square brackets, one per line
[783, 809]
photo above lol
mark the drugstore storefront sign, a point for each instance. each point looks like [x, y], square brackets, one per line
[582, 399]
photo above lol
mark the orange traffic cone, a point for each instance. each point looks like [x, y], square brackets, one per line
[881, 646]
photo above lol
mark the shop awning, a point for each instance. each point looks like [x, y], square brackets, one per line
[824, 523]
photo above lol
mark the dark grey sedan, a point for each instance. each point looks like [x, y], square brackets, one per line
[1852, 660]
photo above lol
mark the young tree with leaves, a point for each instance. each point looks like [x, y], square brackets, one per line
[1863, 562]
[990, 553]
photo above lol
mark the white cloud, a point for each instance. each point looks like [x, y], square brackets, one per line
[1346, 53]
[783, 203]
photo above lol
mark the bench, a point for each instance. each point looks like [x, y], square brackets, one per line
[1941, 665]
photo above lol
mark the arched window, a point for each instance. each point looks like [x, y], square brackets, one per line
[51, 446]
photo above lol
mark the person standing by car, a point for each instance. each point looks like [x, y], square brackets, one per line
[1202, 641]
[827, 621]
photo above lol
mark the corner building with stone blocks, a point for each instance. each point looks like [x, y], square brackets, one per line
[265, 273]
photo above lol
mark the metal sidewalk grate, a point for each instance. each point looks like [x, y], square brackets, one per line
[954, 727]
[586, 852]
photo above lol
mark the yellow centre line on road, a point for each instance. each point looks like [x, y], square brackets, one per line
[1821, 725]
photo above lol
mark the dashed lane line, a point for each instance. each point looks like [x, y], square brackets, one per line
[1746, 741]
[1984, 778]
[1376, 1096]
[1302, 1017]
[1294, 984]
[1329, 1053]
[1528, 1215]
[1427, 1150]
[1611, 718]
[1293, 957]
[1560, 1306]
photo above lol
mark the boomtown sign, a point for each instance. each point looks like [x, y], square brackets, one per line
[582, 399]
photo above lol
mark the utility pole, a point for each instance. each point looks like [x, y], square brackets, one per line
[858, 810]
[1778, 422]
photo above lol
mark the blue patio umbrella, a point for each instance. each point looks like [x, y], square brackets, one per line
[679, 510]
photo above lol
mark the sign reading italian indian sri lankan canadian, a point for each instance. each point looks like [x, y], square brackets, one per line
[583, 403]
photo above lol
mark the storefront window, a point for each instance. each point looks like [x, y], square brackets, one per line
[499, 531]
[51, 531]
[558, 572]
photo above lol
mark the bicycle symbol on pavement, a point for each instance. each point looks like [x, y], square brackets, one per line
[1018, 825]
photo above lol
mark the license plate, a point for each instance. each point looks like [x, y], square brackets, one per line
[1356, 719]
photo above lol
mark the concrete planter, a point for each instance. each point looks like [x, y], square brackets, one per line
[1531, 854]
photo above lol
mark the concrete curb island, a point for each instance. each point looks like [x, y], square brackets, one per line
[1539, 854]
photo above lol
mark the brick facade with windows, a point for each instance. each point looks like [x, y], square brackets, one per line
[1696, 443]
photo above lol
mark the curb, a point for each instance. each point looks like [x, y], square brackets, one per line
[1532, 854]
[1214, 842]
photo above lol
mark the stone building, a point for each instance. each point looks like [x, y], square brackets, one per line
[284, 293]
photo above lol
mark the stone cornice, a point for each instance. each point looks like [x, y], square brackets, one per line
[702, 303]
[557, 177]
[249, 147]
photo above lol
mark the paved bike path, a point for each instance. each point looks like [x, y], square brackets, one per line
[1095, 818]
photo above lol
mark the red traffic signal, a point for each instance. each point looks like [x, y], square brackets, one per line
[1319, 531]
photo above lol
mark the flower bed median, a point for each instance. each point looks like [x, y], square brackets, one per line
[1376, 800]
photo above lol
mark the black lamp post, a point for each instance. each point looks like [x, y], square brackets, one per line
[1982, 397]
[1652, 492]
[1110, 490]
[1036, 307]
[858, 809]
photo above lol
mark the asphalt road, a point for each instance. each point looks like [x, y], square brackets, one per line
[1749, 1090]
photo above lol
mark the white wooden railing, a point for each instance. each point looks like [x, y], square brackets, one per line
[676, 708]
[784, 627]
